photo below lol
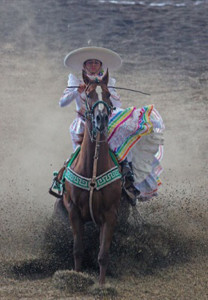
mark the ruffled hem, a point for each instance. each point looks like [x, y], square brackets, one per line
[149, 186]
[139, 133]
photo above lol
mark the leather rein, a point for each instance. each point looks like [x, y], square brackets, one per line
[94, 136]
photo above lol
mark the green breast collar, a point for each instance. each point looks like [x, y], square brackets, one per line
[85, 183]
[101, 180]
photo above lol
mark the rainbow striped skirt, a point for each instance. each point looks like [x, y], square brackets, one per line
[137, 134]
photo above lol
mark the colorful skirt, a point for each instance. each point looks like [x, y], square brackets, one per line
[135, 134]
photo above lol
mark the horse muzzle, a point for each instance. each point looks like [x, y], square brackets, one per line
[101, 122]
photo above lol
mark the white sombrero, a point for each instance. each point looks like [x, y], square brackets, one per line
[76, 58]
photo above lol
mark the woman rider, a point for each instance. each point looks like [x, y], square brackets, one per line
[95, 61]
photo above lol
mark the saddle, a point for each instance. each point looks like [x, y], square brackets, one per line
[125, 169]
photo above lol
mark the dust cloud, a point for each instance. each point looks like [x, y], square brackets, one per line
[165, 56]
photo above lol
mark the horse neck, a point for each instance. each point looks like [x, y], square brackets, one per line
[88, 151]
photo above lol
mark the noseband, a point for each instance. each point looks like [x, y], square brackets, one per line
[108, 107]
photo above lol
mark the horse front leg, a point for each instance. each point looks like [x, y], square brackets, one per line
[106, 235]
[78, 232]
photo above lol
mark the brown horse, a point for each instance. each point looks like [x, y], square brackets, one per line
[98, 205]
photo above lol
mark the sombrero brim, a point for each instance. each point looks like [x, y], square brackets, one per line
[75, 59]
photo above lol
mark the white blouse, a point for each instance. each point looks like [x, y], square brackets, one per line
[71, 94]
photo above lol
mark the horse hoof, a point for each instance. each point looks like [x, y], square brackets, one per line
[105, 290]
[72, 281]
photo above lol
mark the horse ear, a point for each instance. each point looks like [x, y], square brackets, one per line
[105, 78]
[85, 77]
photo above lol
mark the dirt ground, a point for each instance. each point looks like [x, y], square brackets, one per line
[164, 52]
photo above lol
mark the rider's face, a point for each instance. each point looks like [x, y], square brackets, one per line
[92, 66]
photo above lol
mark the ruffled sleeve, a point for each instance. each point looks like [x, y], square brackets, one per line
[73, 80]
[115, 98]
[69, 94]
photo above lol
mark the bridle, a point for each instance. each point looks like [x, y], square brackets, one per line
[90, 115]
[95, 136]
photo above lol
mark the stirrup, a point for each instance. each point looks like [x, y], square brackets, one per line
[132, 194]
[56, 188]
[127, 171]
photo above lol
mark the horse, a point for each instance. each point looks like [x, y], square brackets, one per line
[82, 198]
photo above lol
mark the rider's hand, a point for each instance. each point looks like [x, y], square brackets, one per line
[81, 88]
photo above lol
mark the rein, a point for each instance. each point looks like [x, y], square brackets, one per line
[90, 112]
[94, 173]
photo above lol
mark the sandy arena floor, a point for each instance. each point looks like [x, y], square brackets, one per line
[164, 50]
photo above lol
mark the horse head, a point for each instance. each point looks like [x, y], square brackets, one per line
[98, 105]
